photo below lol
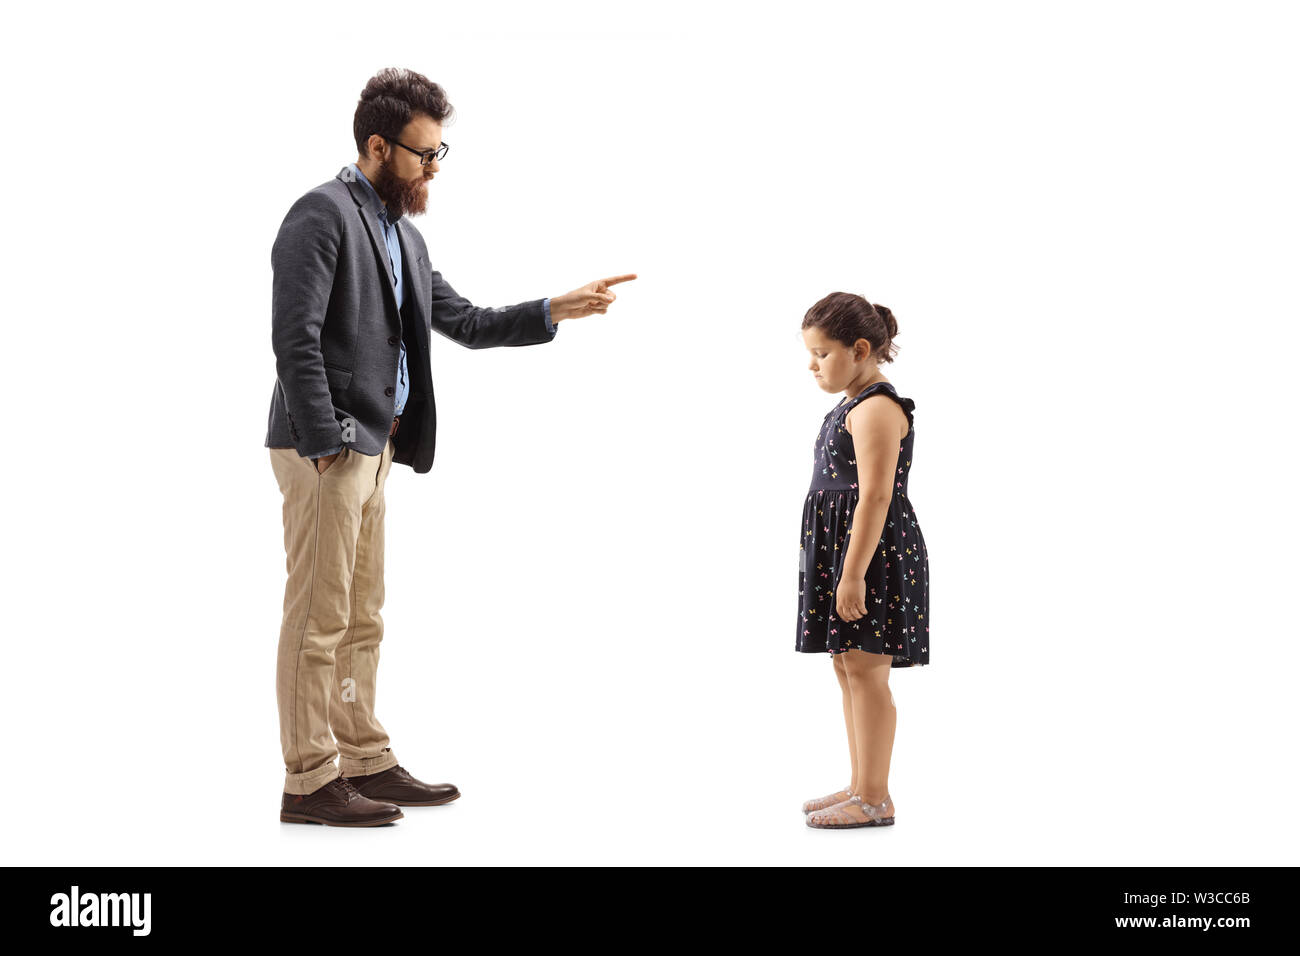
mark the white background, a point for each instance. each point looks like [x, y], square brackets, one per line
[1084, 218]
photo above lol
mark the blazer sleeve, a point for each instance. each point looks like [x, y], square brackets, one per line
[303, 260]
[479, 327]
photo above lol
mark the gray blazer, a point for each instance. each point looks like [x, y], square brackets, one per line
[335, 328]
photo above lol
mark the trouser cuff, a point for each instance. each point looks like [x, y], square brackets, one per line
[353, 767]
[312, 780]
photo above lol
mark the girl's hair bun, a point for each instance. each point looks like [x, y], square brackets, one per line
[891, 326]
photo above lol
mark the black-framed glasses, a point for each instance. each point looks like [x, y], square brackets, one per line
[426, 155]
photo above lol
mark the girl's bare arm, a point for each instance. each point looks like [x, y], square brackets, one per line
[874, 424]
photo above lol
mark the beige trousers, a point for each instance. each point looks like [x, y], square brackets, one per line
[330, 633]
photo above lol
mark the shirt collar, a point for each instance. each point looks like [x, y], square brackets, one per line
[383, 210]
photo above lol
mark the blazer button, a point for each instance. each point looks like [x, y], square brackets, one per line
[389, 391]
[392, 340]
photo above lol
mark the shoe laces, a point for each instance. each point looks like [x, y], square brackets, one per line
[344, 786]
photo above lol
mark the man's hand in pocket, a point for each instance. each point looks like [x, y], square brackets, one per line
[327, 460]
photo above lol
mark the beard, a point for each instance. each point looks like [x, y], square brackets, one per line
[403, 197]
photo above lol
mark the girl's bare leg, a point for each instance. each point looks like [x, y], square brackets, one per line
[874, 721]
[841, 795]
[847, 691]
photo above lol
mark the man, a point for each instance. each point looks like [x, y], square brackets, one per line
[354, 300]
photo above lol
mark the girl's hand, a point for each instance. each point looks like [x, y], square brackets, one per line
[593, 298]
[851, 599]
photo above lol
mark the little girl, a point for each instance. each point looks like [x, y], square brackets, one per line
[862, 597]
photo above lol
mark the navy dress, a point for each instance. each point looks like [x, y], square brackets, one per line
[897, 621]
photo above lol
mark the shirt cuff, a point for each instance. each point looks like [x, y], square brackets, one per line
[328, 451]
[546, 308]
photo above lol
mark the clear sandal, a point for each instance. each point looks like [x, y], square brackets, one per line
[838, 818]
[821, 803]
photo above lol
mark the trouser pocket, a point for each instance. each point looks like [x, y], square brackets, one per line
[342, 456]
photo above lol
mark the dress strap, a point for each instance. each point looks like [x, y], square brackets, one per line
[888, 389]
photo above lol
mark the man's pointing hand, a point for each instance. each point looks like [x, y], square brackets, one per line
[593, 298]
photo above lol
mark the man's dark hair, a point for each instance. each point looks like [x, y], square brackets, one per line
[391, 97]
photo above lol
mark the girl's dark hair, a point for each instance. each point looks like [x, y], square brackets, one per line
[846, 318]
[391, 97]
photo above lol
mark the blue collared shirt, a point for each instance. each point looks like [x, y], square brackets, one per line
[403, 389]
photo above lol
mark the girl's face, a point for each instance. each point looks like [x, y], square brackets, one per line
[836, 365]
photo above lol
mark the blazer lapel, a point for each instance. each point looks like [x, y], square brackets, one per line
[414, 270]
[368, 207]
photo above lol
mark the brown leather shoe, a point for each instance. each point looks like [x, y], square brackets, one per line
[397, 786]
[336, 804]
